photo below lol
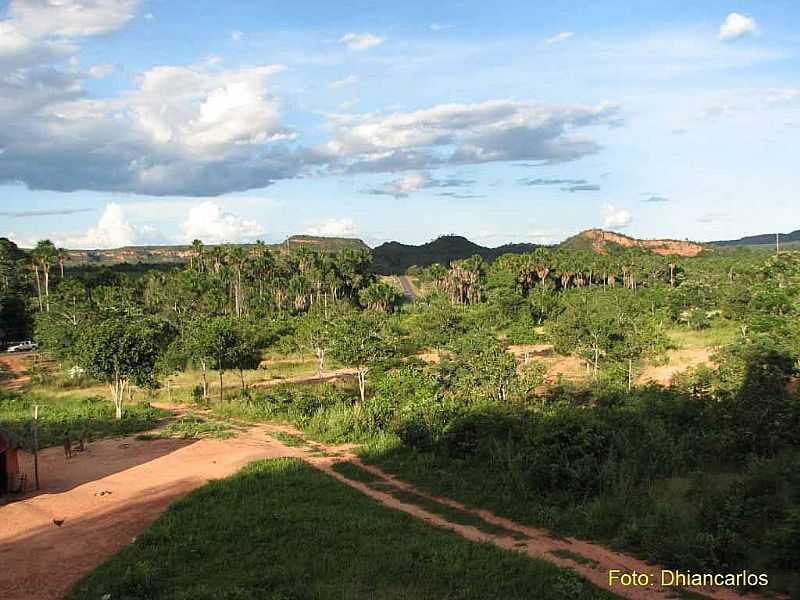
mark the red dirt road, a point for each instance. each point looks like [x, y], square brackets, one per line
[109, 494]
[41, 561]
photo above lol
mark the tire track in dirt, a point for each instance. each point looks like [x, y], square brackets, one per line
[591, 561]
[108, 495]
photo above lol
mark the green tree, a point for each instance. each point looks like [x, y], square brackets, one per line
[359, 341]
[122, 349]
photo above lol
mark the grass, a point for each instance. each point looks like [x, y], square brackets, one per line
[454, 515]
[720, 334]
[191, 427]
[71, 414]
[281, 530]
[573, 556]
[289, 439]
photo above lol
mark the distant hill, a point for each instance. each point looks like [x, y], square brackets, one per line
[394, 257]
[181, 254]
[11, 249]
[763, 239]
[609, 242]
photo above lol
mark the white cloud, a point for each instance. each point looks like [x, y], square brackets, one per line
[559, 37]
[400, 188]
[340, 83]
[361, 41]
[113, 230]
[333, 228]
[618, 218]
[413, 182]
[209, 223]
[737, 25]
[194, 130]
[237, 36]
[70, 18]
[149, 16]
[101, 71]
[495, 130]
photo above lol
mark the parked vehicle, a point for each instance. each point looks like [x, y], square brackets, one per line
[26, 346]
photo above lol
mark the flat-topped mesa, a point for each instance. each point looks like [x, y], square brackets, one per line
[599, 238]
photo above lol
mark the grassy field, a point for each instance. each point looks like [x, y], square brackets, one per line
[281, 530]
[71, 414]
[718, 335]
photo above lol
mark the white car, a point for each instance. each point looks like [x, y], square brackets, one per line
[23, 347]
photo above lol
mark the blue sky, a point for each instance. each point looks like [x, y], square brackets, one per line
[133, 122]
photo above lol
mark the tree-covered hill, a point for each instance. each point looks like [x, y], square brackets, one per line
[394, 257]
[181, 254]
[764, 239]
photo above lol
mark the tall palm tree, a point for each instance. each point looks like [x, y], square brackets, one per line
[197, 254]
[44, 255]
[62, 256]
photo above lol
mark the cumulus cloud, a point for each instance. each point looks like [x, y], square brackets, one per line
[361, 41]
[617, 218]
[559, 37]
[70, 18]
[208, 222]
[113, 230]
[737, 25]
[403, 186]
[454, 134]
[204, 130]
[185, 130]
[540, 181]
[332, 228]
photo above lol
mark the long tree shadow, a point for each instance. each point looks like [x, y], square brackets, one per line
[58, 474]
[44, 561]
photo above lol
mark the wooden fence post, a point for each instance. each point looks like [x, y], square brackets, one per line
[36, 445]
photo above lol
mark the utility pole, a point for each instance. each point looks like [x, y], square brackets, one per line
[777, 244]
[36, 445]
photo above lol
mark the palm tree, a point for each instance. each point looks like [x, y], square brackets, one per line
[62, 256]
[43, 256]
[197, 253]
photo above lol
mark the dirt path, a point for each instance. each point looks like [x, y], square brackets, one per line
[105, 498]
[99, 501]
[590, 560]
[408, 288]
[303, 379]
[678, 361]
[14, 364]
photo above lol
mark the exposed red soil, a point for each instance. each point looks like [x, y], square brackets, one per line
[678, 362]
[15, 365]
[104, 497]
[600, 238]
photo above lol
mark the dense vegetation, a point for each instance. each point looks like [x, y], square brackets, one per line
[700, 474]
[280, 529]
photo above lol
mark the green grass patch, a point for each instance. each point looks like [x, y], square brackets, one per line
[191, 426]
[289, 439]
[354, 472]
[720, 334]
[573, 556]
[71, 415]
[280, 529]
[454, 515]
